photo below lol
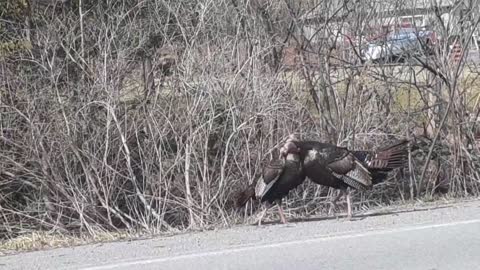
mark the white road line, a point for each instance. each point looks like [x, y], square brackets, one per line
[280, 244]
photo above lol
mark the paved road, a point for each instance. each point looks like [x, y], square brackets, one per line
[428, 238]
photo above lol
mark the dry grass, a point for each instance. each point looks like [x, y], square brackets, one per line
[43, 240]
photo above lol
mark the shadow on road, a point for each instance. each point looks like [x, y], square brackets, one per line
[356, 217]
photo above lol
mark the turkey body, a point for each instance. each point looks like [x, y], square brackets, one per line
[337, 167]
[333, 166]
[278, 178]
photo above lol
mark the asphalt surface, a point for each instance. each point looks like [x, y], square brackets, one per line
[426, 238]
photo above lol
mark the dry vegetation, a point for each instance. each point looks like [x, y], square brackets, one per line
[146, 116]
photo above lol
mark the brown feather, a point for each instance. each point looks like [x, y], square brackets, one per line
[342, 166]
[389, 157]
[360, 174]
[242, 197]
[352, 168]
[270, 175]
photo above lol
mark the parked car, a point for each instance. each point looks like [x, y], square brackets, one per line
[401, 44]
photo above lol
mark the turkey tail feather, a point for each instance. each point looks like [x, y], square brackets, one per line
[389, 157]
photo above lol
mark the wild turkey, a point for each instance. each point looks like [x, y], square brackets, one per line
[278, 178]
[339, 168]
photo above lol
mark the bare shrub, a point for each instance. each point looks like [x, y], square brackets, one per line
[148, 116]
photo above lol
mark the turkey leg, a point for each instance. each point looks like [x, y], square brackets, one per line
[349, 204]
[261, 215]
[280, 211]
[334, 201]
